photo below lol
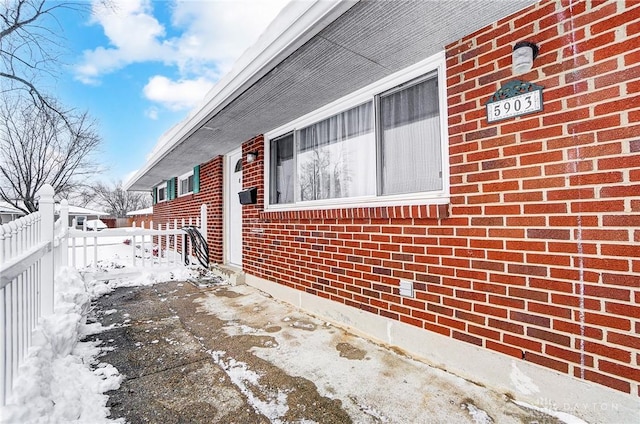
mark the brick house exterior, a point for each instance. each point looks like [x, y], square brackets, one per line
[535, 259]
[189, 207]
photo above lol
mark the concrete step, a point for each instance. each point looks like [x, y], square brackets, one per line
[234, 275]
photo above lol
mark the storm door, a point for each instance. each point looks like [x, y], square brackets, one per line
[233, 224]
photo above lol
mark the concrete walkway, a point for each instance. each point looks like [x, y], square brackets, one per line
[226, 354]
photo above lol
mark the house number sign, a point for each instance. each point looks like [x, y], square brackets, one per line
[515, 98]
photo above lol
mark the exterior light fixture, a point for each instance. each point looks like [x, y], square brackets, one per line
[252, 156]
[524, 52]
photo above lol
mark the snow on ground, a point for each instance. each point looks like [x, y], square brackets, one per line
[62, 379]
[121, 249]
[120, 261]
[311, 354]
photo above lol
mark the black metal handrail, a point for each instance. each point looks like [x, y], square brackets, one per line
[200, 246]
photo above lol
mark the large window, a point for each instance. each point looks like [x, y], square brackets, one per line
[386, 146]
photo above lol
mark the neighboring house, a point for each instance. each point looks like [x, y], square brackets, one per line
[81, 214]
[9, 213]
[505, 251]
[141, 215]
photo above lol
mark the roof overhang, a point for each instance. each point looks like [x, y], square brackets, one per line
[312, 54]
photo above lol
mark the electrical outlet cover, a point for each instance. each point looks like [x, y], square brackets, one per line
[406, 288]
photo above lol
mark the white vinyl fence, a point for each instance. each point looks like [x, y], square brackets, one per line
[152, 245]
[27, 269]
[34, 248]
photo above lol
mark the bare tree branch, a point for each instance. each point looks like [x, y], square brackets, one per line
[119, 202]
[28, 46]
[38, 146]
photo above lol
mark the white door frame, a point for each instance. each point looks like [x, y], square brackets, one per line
[231, 200]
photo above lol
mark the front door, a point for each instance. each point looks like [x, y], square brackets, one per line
[234, 208]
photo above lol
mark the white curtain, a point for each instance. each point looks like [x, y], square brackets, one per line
[410, 144]
[336, 156]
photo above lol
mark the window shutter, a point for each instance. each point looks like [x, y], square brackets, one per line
[171, 189]
[196, 179]
[154, 196]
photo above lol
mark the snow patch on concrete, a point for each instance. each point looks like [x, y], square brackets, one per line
[275, 404]
[522, 382]
[478, 415]
[562, 416]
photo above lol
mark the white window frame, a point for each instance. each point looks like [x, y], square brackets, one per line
[181, 178]
[435, 63]
[163, 187]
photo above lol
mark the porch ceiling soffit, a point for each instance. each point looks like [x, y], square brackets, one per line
[369, 41]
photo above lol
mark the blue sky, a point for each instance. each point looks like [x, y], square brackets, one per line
[140, 66]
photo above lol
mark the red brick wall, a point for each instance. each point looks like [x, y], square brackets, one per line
[558, 192]
[138, 219]
[538, 255]
[211, 189]
[253, 176]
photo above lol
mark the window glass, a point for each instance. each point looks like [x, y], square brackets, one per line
[336, 156]
[389, 149]
[282, 170]
[162, 191]
[410, 142]
[186, 185]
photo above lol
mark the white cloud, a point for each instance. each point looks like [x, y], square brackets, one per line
[152, 113]
[220, 31]
[176, 95]
[129, 25]
[208, 36]
[134, 36]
